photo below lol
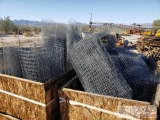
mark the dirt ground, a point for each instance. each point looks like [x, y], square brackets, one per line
[21, 39]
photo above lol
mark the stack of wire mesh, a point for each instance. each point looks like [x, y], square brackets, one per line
[138, 74]
[11, 60]
[73, 35]
[37, 63]
[48, 58]
[96, 70]
[60, 46]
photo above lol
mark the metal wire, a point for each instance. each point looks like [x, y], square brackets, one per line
[41, 63]
[94, 68]
[74, 34]
[1, 61]
[11, 60]
[137, 73]
[47, 59]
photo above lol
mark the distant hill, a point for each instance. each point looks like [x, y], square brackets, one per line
[146, 25]
[34, 23]
[26, 22]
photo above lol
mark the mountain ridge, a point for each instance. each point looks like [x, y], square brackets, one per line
[35, 23]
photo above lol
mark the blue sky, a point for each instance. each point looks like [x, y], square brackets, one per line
[111, 11]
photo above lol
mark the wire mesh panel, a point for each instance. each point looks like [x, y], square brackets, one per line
[73, 35]
[95, 69]
[28, 62]
[48, 32]
[54, 36]
[47, 59]
[138, 75]
[11, 60]
[60, 44]
[1, 61]
[41, 63]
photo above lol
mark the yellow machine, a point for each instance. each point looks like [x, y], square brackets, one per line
[147, 32]
[127, 31]
[157, 33]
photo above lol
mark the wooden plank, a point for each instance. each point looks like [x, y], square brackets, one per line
[71, 112]
[155, 45]
[29, 94]
[27, 110]
[23, 87]
[7, 117]
[100, 101]
[21, 109]
[27, 99]
[76, 112]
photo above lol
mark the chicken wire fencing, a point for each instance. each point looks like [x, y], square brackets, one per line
[1, 61]
[137, 73]
[54, 35]
[38, 61]
[41, 63]
[74, 34]
[11, 60]
[77, 31]
[47, 59]
[95, 69]
[48, 32]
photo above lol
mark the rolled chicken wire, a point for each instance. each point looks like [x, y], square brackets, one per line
[137, 73]
[95, 69]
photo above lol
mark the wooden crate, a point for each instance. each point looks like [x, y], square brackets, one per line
[78, 112]
[29, 100]
[79, 105]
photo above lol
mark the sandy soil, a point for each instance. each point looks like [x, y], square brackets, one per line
[10, 39]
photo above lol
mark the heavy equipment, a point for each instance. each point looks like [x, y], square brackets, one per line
[157, 33]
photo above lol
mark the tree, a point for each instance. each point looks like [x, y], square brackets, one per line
[134, 24]
[1, 24]
[7, 25]
[156, 24]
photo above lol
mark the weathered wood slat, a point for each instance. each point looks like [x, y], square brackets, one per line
[71, 112]
[7, 117]
[23, 87]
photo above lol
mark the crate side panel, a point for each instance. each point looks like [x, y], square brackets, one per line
[100, 101]
[20, 108]
[22, 87]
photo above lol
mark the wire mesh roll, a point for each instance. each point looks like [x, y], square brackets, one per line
[138, 75]
[95, 69]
